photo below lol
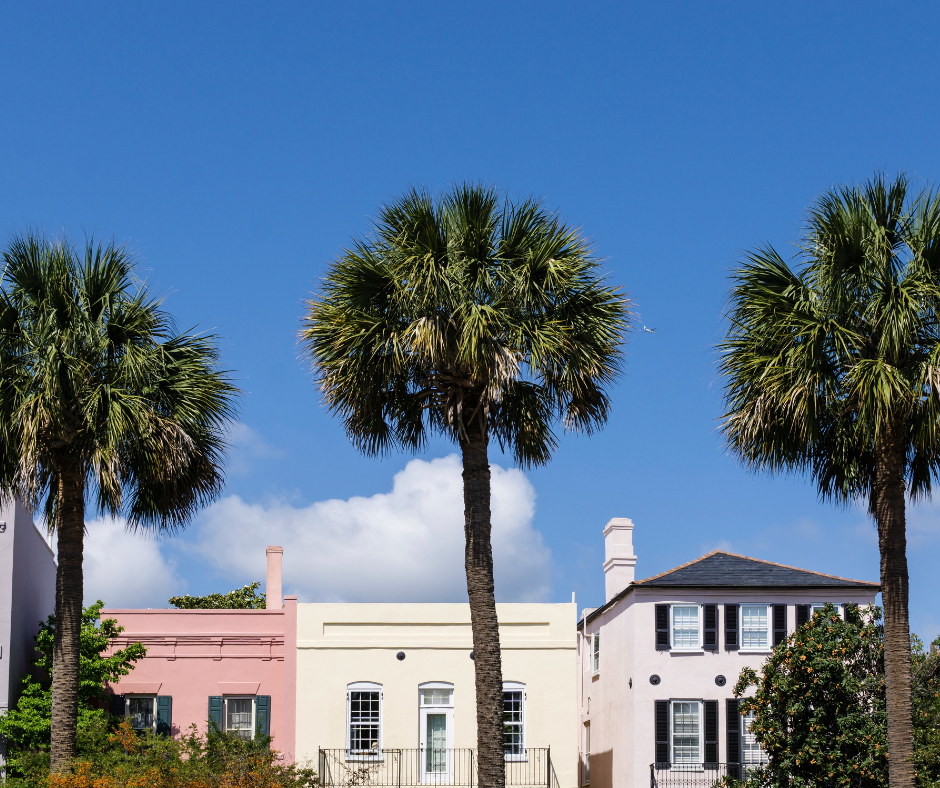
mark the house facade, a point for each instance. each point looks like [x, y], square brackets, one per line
[234, 667]
[27, 595]
[658, 661]
[386, 696]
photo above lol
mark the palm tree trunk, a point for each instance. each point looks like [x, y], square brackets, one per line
[68, 617]
[888, 498]
[478, 560]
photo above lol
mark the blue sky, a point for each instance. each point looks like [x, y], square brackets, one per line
[237, 147]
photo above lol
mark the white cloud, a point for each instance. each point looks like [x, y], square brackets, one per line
[401, 546]
[126, 570]
[247, 446]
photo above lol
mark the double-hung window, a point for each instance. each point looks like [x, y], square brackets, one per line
[596, 653]
[686, 627]
[514, 721]
[686, 730]
[755, 628]
[364, 719]
[752, 754]
[141, 711]
[240, 717]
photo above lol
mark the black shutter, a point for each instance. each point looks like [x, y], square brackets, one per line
[711, 733]
[731, 627]
[780, 624]
[662, 733]
[850, 613]
[802, 615]
[711, 628]
[662, 627]
[117, 705]
[733, 739]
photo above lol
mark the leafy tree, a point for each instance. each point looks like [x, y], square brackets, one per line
[26, 727]
[830, 367]
[246, 598]
[926, 697]
[99, 396]
[476, 319]
[819, 705]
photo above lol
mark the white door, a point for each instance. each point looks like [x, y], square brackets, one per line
[436, 733]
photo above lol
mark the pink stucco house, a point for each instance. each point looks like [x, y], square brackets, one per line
[236, 667]
[657, 662]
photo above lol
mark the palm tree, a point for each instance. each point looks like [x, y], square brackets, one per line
[832, 366]
[476, 319]
[99, 396]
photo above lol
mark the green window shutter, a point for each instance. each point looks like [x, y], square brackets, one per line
[215, 711]
[711, 733]
[164, 714]
[661, 726]
[731, 627]
[733, 739]
[802, 615]
[117, 705]
[263, 715]
[780, 624]
[662, 627]
[710, 641]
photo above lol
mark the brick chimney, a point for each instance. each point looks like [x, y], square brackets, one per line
[273, 587]
[619, 560]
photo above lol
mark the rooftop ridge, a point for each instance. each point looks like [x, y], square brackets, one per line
[755, 560]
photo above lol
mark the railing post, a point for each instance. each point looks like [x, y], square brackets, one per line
[548, 775]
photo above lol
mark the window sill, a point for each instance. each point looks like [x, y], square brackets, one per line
[377, 757]
[763, 651]
[516, 758]
[687, 651]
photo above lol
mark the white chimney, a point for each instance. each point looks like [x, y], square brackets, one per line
[273, 588]
[619, 560]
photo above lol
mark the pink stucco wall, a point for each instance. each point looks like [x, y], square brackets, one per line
[195, 654]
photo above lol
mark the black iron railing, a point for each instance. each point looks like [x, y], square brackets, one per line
[707, 775]
[394, 768]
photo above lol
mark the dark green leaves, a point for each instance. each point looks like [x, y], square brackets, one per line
[466, 309]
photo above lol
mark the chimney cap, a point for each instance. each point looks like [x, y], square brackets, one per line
[274, 549]
[618, 522]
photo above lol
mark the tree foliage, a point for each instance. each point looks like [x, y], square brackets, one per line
[246, 598]
[26, 727]
[819, 704]
[468, 307]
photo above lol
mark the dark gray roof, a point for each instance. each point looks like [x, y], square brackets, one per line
[719, 569]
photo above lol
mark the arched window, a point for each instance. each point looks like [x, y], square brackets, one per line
[363, 719]
[514, 720]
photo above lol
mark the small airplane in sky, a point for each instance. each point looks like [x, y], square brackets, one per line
[649, 330]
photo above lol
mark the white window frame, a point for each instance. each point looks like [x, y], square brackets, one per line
[814, 606]
[254, 712]
[595, 653]
[672, 627]
[447, 709]
[361, 755]
[586, 776]
[687, 765]
[141, 696]
[746, 765]
[516, 686]
[742, 649]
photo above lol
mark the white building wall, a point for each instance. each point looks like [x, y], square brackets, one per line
[27, 595]
[621, 716]
[338, 644]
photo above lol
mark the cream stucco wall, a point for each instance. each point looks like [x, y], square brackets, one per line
[338, 644]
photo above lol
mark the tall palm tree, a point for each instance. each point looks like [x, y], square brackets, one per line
[476, 319]
[832, 366]
[100, 397]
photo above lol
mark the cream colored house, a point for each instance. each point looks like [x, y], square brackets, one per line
[385, 693]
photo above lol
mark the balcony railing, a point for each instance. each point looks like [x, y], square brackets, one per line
[394, 768]
[687, 775]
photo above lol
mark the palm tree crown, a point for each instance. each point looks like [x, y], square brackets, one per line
[467, 309]
[93, 376]
[99, 393]
[833, 366]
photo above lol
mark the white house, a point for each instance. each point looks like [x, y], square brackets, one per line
[27, 595]
[657, 662]
[385, 693]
